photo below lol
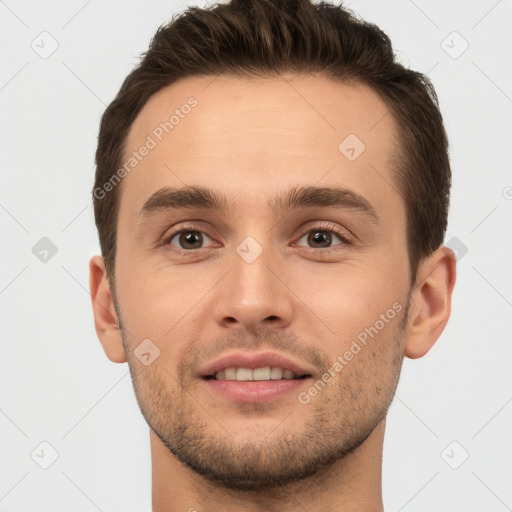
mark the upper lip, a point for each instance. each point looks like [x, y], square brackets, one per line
[253, 360]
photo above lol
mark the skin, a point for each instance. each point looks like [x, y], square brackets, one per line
[252, 139]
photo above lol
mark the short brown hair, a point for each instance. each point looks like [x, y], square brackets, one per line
[264, 37]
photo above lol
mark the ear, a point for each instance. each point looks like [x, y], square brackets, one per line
[430, 302]
[105, 316]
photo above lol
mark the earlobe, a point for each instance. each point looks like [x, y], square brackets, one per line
[430, 302]
[105, 316]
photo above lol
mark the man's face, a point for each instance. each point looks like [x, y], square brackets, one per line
[257, 284]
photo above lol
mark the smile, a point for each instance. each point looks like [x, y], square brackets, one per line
[257, 374]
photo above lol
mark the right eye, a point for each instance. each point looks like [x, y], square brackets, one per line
[187, 239]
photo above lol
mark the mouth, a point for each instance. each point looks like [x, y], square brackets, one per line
[255, 377]
[265, 373]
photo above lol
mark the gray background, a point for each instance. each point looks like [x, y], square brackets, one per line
[58, 387]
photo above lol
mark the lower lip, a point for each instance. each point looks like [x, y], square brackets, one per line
[255, 391]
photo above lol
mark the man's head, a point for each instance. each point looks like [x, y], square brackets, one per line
[309, 173]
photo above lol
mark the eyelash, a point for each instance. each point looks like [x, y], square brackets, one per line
[324, 227]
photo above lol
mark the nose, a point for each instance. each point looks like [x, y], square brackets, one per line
[254, 295]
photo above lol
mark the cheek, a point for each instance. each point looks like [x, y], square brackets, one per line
[163, 305]
[351, 296]
[155, 294]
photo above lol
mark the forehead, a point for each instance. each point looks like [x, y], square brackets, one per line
[248, 135]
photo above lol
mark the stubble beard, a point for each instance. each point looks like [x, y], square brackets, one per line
[340, 419]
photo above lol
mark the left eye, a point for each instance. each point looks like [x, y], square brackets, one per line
[188, 239]
[321, 238]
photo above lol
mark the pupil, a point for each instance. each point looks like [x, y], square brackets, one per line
[321, 237]
[193, 238]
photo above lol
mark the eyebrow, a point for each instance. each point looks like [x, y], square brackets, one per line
[198, 197]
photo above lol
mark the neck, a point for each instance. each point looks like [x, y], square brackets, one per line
[352, 483]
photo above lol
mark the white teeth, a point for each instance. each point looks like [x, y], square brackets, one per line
[244, 374]
[287, 374]
[261, 373]
[230, 373]
[276, 373]
[258, 374]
